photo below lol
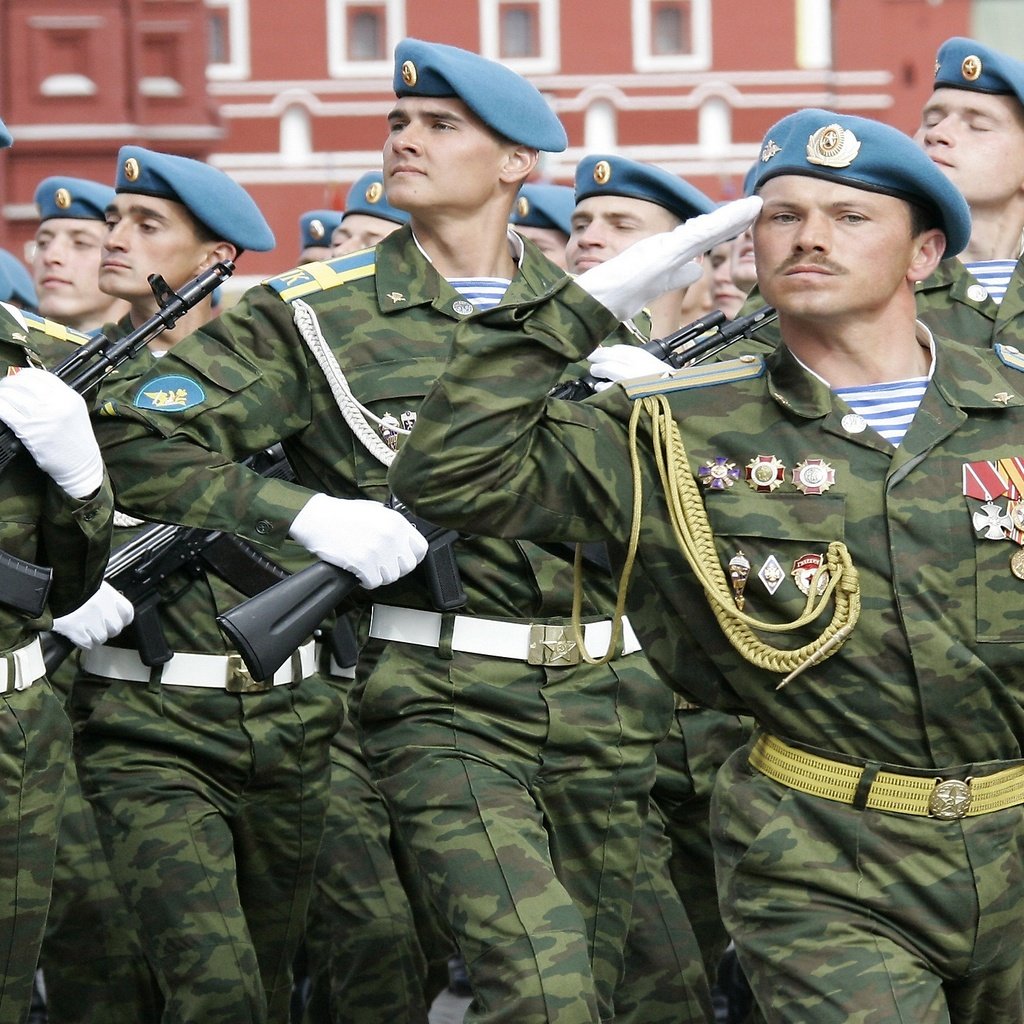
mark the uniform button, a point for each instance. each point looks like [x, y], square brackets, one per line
[263, 527]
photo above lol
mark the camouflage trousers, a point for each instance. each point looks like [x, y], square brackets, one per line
[35, 748]
[91, 958]
[374, 950]
[521, 792]
[210, 806]
[841, 914]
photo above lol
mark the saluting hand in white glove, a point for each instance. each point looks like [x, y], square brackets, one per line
[664, 262]
[103, 616]
[623, 362]
[367, 538]
[52, 422]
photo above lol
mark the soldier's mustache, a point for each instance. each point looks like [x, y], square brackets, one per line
[812, 261]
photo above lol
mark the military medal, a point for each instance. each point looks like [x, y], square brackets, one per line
[739, 569]
[408, 420]
[718, 473]
[389, 427]
[804, 569]
[813, 476]
[992, 522]
[771, 574]
[765, 473]
[1017, 563]
[983, 481]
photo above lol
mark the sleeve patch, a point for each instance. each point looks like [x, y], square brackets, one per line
[170, 394]
[1010, 356]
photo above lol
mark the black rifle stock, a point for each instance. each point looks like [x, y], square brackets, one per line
[138, 568]
[267, 628]
[26, 586]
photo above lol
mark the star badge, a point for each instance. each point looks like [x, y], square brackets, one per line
[718, 473]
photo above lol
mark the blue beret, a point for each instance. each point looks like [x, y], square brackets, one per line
[865, 154]
[16, 284]
[78, 198]
[544, 206]
[967, 64]
[5, 136]
[367, 196]
[315, 227]
[506, 102]
[214, 199]
[616, 176]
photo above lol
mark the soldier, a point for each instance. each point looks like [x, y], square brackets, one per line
[543, 214]
[972, 127]
[56, 508]
[368, 216]
[66, 253]
[315, 229]
[853, 582]
[620, 201]
[209, 790]
[517, 778]
[373, 949]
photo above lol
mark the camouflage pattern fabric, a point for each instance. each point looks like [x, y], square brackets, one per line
[375, 952]
[209, 804]
[930, 679]
[506, 752]
[41, 524]
[953, 304]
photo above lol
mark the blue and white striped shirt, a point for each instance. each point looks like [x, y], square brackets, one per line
[993, 275]
[889, 408]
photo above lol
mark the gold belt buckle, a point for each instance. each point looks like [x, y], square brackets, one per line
[552, 646]
[239, 679]
[950, 799]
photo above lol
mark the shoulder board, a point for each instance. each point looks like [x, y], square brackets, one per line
[1010, 356]
[704, 376]
[53, 329]
[319, 276]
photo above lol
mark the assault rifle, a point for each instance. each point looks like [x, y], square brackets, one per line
[139, 568]
[687, 346]
[267, 628]
[23, 585]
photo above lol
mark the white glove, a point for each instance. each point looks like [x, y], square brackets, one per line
[369, 539]
[664, 262]
[52, 422]
[623, 362]
[104, 615]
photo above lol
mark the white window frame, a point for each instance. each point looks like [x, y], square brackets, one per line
[645, 60]
[337, 38]
[239, 67]
[490, 39]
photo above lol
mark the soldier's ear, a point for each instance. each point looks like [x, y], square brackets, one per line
[217, 253]
[519, 163]
[930, 247]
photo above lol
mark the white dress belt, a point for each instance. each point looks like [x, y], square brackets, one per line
[213, 671]
[20, 668]
[537, 643]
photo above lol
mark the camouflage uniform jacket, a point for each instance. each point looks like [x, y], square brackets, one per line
[191, 598]
[247, 380]
[39, 522]
[932, 675]
[952, 303]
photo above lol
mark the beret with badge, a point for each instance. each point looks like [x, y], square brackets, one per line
[967, 64]
[315, 227]
[505, 101]
[367, 196]
[598, 175]
[865, 154]
[540, 205]
[213, 198]
[63, 198]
